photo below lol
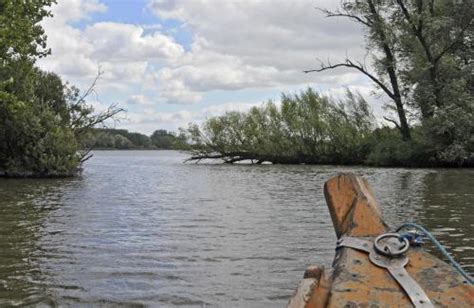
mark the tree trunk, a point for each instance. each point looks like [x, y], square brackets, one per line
[390, 68]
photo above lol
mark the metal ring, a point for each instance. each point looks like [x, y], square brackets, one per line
[386, 251]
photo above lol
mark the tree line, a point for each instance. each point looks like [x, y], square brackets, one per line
[122, 139]
[420, 56]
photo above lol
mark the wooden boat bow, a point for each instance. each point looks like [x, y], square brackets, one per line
[353, 280]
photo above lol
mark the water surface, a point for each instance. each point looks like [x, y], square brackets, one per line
[142, 228]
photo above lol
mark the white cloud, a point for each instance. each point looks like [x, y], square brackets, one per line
[76, 10]
[122, 51]
[255, 44]
[171, 90]
[139, 100]
[148, 120]
[126, 42]
[236, 46]
[220, 109]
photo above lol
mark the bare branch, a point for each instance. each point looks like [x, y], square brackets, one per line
[359, 67]
[92, 87]
[392, 121]
[340, 14]
[91, 121]
[86, 156]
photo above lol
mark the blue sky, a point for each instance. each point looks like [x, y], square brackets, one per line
[137, 12]
[170, 63]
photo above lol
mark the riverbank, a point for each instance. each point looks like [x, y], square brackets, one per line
[310, 128]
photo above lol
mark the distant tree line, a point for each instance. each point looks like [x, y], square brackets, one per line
[122, 139]
[421, 57]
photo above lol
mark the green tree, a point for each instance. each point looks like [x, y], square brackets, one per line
[422, 59]
[122, 143]
[435, 43]
[22, 41]
[139, 140]
[34, 141]
[163, 139]
[42, 121]
[307, 128]
[371, 14]
[21, 36]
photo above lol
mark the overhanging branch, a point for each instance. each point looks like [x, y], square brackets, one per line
[360, 68]
[345, 14]
[392, 121]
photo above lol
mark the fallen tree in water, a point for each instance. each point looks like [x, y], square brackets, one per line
[233, 157]
[306, 129]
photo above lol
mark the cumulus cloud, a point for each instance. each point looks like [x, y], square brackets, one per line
[254, 44]
[122, 51]
[139, 100]
[232, 46]
[76, 10]
[126, 42]
[148, 120]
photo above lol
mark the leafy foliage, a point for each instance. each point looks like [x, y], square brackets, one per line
[421, 54]
[106, 138]
[34, 141]
[311, 129]
[162, 139]
[21, 36]
[42, 120]
[307, 128]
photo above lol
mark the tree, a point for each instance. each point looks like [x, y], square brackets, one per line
[22, 40]
[21, 36]
[307, 128]
[122, 142]
[435, 42]
[163, 139]
[422, 59]
[430, 36]
[42, 120]
[139, 140]
[34, 141]
[370, 14]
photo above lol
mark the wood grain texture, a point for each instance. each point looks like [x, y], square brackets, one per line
[355, 281]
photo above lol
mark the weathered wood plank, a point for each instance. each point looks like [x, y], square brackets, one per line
[355, 281]
[313, 290]
[352, 206]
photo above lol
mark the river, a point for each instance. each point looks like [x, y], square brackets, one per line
[142, 228]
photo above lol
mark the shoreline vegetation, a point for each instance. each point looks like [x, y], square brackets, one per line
[420, 58]
[43, 120]
[307, 128]
[122, 139]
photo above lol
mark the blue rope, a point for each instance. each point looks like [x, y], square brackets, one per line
[440, 247]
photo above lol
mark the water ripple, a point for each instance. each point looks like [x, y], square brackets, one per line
[141, 228]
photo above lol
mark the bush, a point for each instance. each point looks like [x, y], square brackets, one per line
[34, 141]
[389, 150]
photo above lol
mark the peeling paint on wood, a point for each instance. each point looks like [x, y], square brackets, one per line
[355, 281]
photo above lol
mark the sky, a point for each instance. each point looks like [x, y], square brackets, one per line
[170, 63]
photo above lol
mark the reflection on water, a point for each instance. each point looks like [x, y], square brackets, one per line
[142, 228]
